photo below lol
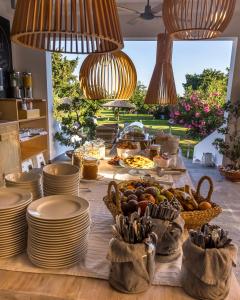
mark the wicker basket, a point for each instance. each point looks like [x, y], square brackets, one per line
[232, 176]
[114, 203]
[195, 219]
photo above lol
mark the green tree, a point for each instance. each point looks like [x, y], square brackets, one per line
[210, 84]
[138, 98]
[65, 83]
[76, 114]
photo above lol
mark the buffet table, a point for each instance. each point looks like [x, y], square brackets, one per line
[21, 280]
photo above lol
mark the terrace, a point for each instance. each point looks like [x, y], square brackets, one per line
[36, 274]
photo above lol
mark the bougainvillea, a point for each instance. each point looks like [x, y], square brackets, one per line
[200, 116]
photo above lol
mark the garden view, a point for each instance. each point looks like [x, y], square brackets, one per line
[199, 112]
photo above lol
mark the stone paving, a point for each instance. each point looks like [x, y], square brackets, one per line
[227, 194]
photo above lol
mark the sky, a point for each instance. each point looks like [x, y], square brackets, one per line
[189, 57]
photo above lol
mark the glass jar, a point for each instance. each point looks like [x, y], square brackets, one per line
[154, 151]
[77, 158]
[92, 151]
[90, 168]
[27, 80]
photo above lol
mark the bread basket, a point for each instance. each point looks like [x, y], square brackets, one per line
[197, 218]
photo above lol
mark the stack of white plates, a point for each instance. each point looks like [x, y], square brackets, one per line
[13, 224]
[61, 179]
[58, 228]
[31, 182]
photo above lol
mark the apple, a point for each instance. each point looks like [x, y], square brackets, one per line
[143, 205]
[148, 198]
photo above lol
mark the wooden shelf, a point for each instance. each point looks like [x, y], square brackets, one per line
[31, 138]
[31, 153]
[31, 146]
[33, 119]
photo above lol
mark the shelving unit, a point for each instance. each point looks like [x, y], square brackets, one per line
[9, 111]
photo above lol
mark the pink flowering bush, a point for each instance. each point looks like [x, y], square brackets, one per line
[201, 117]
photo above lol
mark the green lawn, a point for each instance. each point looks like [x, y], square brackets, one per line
[107, 117]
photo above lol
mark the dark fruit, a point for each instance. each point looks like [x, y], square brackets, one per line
[151, 190]
[133, 204]
[143, 205]
[132, 197]
[124, 207]
[139, 192]
[128, 193]
[148, 197]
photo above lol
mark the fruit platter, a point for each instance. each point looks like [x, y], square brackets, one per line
[130, 196]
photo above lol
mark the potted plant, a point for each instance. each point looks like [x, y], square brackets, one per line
[77, 121]
[230, 145]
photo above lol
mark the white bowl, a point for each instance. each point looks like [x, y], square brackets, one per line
[161, 162]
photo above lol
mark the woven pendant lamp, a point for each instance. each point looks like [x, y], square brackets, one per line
[108, 76]
[197, 19]
[162, 89]
[68, 26]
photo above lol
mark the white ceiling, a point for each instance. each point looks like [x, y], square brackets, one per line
[143, 29]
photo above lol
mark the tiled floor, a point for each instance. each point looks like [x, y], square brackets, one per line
[227, 194]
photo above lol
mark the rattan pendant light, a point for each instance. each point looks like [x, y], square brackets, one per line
[197, 19]
[68, 26]
[108, 76]
[162, 89]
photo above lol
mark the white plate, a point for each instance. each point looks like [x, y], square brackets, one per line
[60, 170]
[57, 230]
[61, 189]
[21, 178]
[60, 239]
[44, 243]
[58, 223]
[62, 235]
[59, 192]
[58, 207]
[52, 248]
[99, 178]
[61, 257]
[67, 253]
[13, 198]
[55, 265]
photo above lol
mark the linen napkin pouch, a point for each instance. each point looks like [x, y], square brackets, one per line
[169, 235]
[132, 266]
[207, 273]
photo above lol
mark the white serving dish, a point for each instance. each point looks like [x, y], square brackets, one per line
[161, 162]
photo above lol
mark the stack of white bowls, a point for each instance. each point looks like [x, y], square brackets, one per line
[31, 182]
[61, 179]
[58, 228]
[13, 224]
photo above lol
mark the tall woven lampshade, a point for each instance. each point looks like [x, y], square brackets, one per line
[197, 19]
[108, 76]
[162, 89]
[68, 26]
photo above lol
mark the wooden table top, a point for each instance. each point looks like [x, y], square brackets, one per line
[28, 286]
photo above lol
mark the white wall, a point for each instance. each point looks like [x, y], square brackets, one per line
[39, 64]
[205, 146]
